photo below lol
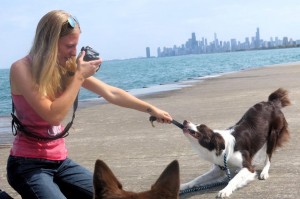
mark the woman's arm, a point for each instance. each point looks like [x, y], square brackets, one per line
[51, 111]
[122, 98]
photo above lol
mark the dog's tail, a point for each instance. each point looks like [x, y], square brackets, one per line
[280, 98]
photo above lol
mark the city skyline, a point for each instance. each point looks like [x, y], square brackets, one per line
[203, 46]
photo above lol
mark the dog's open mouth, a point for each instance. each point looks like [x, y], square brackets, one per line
[191, 132]
[188, 129]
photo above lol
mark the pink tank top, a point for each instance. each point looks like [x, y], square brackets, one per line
[25, 146]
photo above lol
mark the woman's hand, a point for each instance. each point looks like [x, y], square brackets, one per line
[160, 115]
[89, 68]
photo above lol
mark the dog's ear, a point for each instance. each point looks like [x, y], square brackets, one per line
[168, 182]
[218, 141]
[104, 180]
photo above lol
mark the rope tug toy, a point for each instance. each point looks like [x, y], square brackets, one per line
[179, 125]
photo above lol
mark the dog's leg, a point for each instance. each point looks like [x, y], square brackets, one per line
[213, 175]
[265, 172]
[243, 177]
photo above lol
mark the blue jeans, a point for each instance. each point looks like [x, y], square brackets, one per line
[46, 179]
[4, 195]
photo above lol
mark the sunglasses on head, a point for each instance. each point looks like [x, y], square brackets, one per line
[72, 21]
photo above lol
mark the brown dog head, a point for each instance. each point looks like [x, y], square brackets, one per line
[107, 186]
[203, 136]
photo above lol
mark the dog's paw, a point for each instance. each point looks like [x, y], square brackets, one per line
[264, 175]
[226, 192]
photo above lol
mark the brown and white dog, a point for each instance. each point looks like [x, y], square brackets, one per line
[107, 186]
[259, 132]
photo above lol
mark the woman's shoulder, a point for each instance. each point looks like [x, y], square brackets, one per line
[21, 63]
[20, 74]
[21, 66]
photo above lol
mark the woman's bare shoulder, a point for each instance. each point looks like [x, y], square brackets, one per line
[21, 64]
[20, 74]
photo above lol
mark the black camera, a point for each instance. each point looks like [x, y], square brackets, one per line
[90, 54]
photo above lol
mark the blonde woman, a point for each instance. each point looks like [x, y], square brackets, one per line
[44, 85]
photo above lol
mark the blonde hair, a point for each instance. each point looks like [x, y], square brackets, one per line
[50, 78]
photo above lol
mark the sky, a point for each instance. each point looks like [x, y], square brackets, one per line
[122, 29]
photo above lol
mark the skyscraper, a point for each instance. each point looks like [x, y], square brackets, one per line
[158, 52]
[233, 44]
[194, 43]
[216, 42]
[257, 39]
[148, 52]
